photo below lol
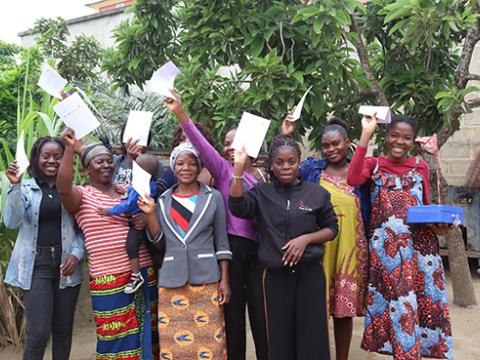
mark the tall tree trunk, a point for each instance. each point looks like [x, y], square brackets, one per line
[463, 291]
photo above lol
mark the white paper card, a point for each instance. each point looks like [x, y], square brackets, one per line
[163, 79]
[21, 155]
[140, 181]
[250, 133]
[384, 114]
[51, 81]
[298, 109]
[76, 115]
[138, 126]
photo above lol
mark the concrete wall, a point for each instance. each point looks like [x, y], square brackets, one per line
[459, 151]
[99, 25]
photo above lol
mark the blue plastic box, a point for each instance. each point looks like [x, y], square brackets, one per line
[435, 214]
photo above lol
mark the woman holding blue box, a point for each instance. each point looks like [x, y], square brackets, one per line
[407, 312]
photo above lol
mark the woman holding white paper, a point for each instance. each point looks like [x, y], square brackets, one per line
[346, 257]
[124, 326]
[45, 259]
[407, 309]
[245, 271]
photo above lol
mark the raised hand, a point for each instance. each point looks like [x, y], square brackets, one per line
[288, 124]
[133, 149]
[369, 124]
[240, 160]
[174, 104]
[11, 173]
[68, 137]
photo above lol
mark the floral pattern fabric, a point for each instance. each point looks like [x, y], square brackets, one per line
[407, 312]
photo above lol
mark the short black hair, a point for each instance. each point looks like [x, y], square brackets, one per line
[278, 142]
[398, 118]
[336, 124]
[149, 163]
[33, 169]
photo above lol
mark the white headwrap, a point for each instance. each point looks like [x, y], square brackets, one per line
[181, 148]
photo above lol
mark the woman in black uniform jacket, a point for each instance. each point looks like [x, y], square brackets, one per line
[294, 219]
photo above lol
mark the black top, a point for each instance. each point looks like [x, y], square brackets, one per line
[284, 213]
[50, 216]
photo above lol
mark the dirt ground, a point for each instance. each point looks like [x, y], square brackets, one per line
[465, 323]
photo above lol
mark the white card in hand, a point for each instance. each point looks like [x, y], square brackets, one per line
[138, 127]
[21, 156]
[140, 181]
[163, 79]
[298, 109]
[51, 81]
[76, 115]
[250, 133]
[384, 114]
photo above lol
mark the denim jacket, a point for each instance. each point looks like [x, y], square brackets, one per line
[21, 212]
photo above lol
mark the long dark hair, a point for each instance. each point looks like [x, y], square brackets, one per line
[33, 169]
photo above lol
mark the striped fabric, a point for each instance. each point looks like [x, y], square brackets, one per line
[126, 324]
[105, 236]
[182, 210]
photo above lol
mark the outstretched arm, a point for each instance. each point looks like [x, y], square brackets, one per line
[358, 172]
[213, 161]
[70, 195]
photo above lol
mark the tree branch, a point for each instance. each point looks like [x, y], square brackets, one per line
[462, 76]
[473, 77]
[367, 69]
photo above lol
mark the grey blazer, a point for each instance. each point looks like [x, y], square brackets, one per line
[193, 259]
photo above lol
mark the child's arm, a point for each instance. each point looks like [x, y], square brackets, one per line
[127, 207]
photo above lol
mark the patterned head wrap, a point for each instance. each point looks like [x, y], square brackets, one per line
[181, 148]
[92, 151]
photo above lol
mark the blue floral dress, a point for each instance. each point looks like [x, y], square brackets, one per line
[407, 312]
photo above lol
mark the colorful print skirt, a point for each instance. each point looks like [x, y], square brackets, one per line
[191, 323]
[126, 324]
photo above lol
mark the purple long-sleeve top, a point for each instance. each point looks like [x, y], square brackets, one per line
[222, 171]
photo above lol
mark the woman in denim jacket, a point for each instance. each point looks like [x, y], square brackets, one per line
[44, 262]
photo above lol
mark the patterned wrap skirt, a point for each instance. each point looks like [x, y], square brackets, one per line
[191, 323]
[126, 323]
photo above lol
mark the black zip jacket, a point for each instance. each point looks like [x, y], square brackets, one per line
[284, 213]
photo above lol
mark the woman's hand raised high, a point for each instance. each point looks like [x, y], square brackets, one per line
[11, 173]
[68, 137]
[174, 104]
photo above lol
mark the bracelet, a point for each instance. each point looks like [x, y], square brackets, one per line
[236, 178]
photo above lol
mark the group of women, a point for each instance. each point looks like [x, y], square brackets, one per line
[293, 245]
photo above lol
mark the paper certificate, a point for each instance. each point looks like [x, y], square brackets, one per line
[138, 126]
[250, 133]
[21, 155]
[163, 79]
[298, 109]
[76, 115]
[384, 114]
[141, 181]
[51, 81]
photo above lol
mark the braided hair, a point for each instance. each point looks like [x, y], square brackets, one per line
[277, 143]
[33, 169]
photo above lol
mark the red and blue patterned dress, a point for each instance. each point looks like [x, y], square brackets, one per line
[407, 312]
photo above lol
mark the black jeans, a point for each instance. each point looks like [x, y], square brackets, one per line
[297, 312]
[49, 309]
[246, 286]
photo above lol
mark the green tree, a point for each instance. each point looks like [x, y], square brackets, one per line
[77, 61]
[413, 55]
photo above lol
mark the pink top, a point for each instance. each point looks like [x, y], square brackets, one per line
[105, 236]
[222, 171]
[361, 169]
